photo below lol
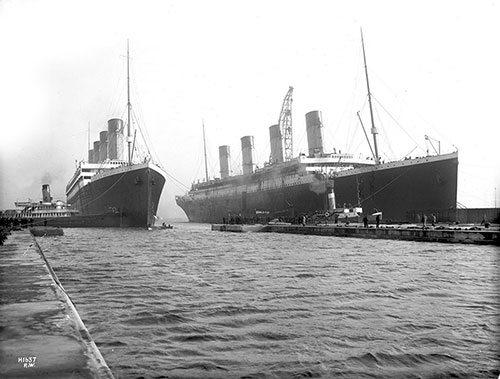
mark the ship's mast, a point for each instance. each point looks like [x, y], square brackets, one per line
[129, 107]
[374, 129]
[205, 151]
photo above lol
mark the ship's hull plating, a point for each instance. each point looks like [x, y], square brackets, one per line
[399, 189]
[126, 198]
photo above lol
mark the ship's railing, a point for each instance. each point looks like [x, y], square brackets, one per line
[336, 160]
[119, 169]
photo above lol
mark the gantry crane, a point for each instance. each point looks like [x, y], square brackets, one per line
[285, 124]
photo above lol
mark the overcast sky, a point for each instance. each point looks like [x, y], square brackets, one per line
[433, 65]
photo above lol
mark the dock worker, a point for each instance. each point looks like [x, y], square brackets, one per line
[424, 220]
[365, 221]
[377, 220]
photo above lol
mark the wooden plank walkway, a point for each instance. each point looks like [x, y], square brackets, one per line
[41, 333]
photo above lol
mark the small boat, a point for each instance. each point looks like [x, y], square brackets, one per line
[160, 227]
[44, 231]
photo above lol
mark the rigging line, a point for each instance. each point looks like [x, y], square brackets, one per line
[199, 159]
[408, 154]
[140, 115]
[115, 183]
[236, 163]
[388, 184]
[352, 137]
[122, 116]
[138, 106]
[144, 131]
[356, 126]
[397, 123]
[261, 154]
[349, 104]
[366, 135]
[150, 151]
[411, 109]
[117, 94]
[385, 137]
[176, 180]
[135, 119]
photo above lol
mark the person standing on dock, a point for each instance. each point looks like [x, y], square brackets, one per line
[377, 220]
[365, 221]
[433, 219]
[424, 221]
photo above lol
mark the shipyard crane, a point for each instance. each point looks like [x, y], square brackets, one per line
[285, 124]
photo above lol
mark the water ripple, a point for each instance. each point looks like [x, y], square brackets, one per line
[191, 303]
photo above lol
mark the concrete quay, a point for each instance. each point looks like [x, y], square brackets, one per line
[238, 228]
[41, 333]
[449, 234]
[465, 235]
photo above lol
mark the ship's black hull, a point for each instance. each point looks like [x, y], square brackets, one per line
[128, 197]
[426, 185]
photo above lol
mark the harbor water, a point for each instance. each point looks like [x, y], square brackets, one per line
[192, 303]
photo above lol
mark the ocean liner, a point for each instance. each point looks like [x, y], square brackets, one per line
[290, 187]
[111, 189]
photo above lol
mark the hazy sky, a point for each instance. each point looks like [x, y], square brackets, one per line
[433, 65]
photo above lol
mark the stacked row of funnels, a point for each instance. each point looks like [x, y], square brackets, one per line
[314, 126]
[111, 144]
[248, 157]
